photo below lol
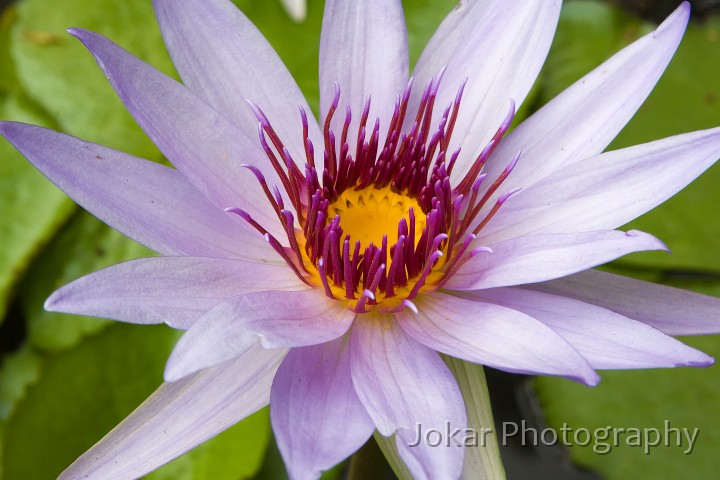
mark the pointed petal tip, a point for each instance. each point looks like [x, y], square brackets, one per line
[89, 38]
[174, 371]
[5, 128]
[680, 17]
[653, 243]
[76, 32]
[11, 129]
[701, 360]
[53, 302]
[685, 7]
[591, 379]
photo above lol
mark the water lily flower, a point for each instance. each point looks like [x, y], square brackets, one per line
[323, 267]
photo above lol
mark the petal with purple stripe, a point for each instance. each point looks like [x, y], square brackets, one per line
[606, 191]
[317, 417]
[148, 202]
[538, 258]
[499, 47]
[493, 335]
[606, 339]
[582, 120]
[364, 50]
[217, 52]
[407, 388]
[204, 146]
[670, 310]
[277, 319]
[174, 290]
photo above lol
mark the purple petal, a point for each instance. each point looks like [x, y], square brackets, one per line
[279, 319]
[148, 202]
[201, 143]
[499, 47]
[493, 335]
[586, 117]
[538, 258]
[670, 310]
[174, 290]
[225, 60]
[405, 386]
[317, 417]
[609, 190]
[606, 339]
[364, 49]
[179, 416]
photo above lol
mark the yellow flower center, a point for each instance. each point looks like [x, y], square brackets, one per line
[369, 214]
[380, 222]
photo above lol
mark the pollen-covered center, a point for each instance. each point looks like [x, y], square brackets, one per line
[368, 214]
[379, 222]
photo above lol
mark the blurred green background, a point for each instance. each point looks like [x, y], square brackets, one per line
[65, 381]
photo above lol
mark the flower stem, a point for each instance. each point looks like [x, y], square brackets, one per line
[483, 461]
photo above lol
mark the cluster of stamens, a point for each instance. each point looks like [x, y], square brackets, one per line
[410, 170]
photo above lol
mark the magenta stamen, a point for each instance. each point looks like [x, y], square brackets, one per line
[323, 278]
[281, 251]
[290, 230]
[415, 163]
[366, 294]
[246, 216]
[395, 264]
[349, 283]
[261, 179]
[495, 185]
[498, 203]
[458, 260]
[426, 271]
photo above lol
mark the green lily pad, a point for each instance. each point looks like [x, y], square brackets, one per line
[19, 370]
[8, 78]
[84, 246]
[81, 394]
[644, 399]
[685, 99]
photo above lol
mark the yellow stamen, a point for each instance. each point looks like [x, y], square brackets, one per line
[370, 213]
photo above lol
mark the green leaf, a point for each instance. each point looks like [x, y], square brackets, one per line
[422, 18]
[685, 99]
[81, 395]
[19, 370]
[84, 246]
[684, 398]
[8, 77]
[58, 72]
